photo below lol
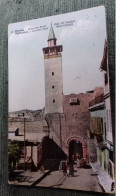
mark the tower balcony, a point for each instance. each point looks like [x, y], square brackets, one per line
[54, 50]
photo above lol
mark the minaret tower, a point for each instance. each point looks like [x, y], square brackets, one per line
[53, 75]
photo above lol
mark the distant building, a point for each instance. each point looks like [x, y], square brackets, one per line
[32, 147]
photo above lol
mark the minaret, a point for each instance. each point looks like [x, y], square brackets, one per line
[53, 75]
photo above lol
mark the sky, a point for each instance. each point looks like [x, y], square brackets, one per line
[82, 34]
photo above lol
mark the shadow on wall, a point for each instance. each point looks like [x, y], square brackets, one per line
[52, 152]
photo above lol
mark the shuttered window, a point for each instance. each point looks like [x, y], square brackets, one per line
[97, 125]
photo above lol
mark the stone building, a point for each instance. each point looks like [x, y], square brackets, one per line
[67, 116]
[53, 75]
[101, 126]
[98, 128]
[70, 129]
[107, 100]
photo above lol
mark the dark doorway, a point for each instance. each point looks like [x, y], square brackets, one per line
[75, 148]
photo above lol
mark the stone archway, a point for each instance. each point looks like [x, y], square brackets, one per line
[84, 146]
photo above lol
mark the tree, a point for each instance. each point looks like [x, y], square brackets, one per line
[14, 152]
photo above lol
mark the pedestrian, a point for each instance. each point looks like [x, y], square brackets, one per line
[42, 169]
[78, 160]
[78, 156]
[68, 170]
[73, 158]
[71, 170]
[112, 186]
[64, 169]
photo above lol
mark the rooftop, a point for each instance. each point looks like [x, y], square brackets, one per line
[37, 137]
[96, 101]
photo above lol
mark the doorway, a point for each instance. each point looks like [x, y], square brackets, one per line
[75, 148]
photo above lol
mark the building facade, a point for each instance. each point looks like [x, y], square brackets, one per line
[69, 130]
[98, 129]
[107, 100]
[101, 123]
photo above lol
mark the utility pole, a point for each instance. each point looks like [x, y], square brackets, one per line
[24, 147]
[25, 117]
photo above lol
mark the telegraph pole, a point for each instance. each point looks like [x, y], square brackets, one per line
[24, 146]
[25, 117]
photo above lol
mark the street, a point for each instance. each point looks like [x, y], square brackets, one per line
[83, 179]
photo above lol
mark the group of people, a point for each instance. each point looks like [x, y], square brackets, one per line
[68, 169]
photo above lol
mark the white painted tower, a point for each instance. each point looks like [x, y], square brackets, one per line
[53, 75]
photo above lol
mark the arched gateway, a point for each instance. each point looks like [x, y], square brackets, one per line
[84, 146]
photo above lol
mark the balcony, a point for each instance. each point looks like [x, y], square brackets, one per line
[97, 100]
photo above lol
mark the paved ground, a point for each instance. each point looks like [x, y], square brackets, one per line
[27, 177]
[84, 179]
[103, 177]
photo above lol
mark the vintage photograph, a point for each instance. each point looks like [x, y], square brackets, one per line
[60, 126]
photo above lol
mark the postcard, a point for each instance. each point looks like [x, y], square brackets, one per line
[60, 125]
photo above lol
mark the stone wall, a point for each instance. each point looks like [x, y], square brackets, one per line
[77, 116]
[74, 122]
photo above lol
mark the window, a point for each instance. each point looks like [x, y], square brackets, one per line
[52, 73]
[74, 101]
[53, 100]
[53, 87]
[97, 125]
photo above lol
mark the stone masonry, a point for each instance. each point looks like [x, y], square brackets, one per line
[73, 123]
